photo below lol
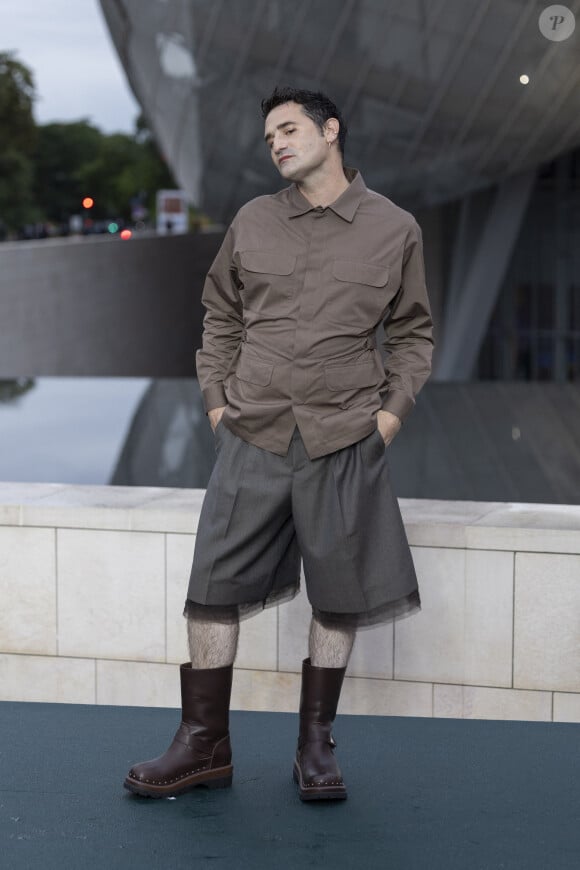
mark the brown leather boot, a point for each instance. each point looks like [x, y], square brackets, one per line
[200, 753]
[315, 769]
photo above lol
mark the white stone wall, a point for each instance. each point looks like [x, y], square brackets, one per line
[93, 580]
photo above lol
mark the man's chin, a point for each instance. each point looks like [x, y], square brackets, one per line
[288, 169]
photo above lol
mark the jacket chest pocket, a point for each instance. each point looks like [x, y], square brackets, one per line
[269, 280]
[359, 293]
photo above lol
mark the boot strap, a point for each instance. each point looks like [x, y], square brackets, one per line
[188, 734]
[329, 740]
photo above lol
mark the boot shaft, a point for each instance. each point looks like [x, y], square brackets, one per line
[205, 698]
[319, 696]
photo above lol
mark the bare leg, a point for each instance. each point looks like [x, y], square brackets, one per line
[329, 647]
[212, 644]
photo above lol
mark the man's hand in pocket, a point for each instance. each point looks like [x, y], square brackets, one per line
[215, 416]
[388, 425]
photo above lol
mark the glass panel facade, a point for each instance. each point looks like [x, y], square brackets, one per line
[534, 333]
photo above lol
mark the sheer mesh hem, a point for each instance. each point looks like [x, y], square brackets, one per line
[232, 613]
[393, 610]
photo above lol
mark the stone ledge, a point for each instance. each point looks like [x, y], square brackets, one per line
[429, 522]
[120, 508]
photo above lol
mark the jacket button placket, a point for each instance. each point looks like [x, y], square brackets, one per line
[302, 373]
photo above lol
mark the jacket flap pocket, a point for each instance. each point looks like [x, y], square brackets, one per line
[351, 376]
[269, 262]
[357, 272]
[254, 371]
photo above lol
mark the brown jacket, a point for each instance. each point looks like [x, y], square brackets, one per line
[294, 297]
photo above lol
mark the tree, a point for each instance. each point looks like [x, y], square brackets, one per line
[16, 102]
[75, 160]
[46, 171]
[62, 154]
[127, 166]
[17, 143]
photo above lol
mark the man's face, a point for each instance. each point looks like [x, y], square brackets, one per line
[296, 145]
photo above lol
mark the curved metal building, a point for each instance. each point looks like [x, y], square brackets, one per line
[430, 91]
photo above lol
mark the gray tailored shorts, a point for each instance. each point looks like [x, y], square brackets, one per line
[262, 513]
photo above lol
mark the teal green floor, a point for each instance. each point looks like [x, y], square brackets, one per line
[424, 794]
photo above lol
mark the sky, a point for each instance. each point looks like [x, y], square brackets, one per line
[67, 45]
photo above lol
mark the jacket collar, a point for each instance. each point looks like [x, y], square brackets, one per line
[346, 204]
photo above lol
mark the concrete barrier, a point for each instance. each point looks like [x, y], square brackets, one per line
[99, 306]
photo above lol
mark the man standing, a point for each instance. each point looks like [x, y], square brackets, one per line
[302, 408]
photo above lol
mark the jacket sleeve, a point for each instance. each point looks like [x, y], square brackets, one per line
[222, 325]
[408, 330]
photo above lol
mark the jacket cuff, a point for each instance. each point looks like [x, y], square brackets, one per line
[398, 403]
[214, 397]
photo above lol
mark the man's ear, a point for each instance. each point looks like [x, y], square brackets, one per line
[332, 125]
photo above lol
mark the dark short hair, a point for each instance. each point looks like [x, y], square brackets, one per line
[316, 105]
